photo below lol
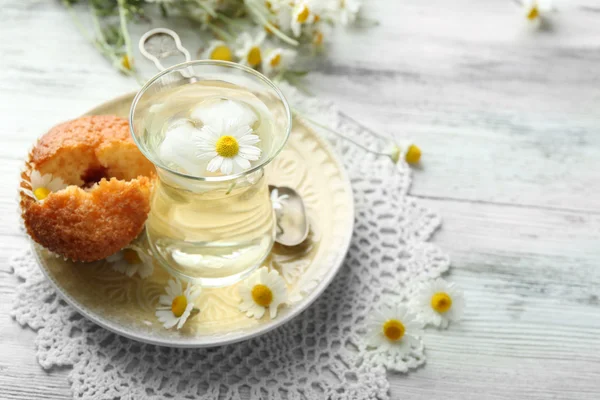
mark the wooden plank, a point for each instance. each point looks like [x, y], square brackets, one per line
[531, 282]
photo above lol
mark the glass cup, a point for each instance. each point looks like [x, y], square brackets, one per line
[209, 228]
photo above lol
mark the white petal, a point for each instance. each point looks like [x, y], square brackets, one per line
[36, 179]
[273, 310]
[185, 315]
[240, 131]
[248, 139]
[242, 162]
[227, 166]
[215, 164]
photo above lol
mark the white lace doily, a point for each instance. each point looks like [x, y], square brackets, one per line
[320, 354]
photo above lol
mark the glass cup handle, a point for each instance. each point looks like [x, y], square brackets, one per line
[160, 43]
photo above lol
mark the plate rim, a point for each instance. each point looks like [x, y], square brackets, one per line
[295, 309]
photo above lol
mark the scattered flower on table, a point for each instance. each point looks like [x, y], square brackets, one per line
[278, 201]
[292, 24]
[131, 260]
[393, 329]
[304, 14]
[228, 145]
[263, 290]
[347, 11]
[177, 306]
[535, 10]
[438, 302]
[217, 50]
[249, 49]
[43, 185]
[412, 155]
[277, 60]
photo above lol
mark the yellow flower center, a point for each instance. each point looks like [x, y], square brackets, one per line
[275, 61]
[131, 257]
[227, 146]
[262, 295]
[179, 305]
[254, 57]
[269, 5]
[441, 302]
[222, 53]
[393, 330]
[533, 13]
[318, 38]
[413, 155]
[303, 15]
[41, 193]
[126, 62]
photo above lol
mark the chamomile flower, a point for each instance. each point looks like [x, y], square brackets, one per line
[347, 11]
[175, 307]
[393, 328]
[249, 51]
[411, 153]
[304, 13]
[43, 185]
[319, 33]
[229, 146]
[277, 60]
[263, 290]
[278, 201]
[132, 260]
[218, 50]
[534, 10]
[438, 302]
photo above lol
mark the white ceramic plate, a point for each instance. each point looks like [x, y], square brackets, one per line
[126, 305]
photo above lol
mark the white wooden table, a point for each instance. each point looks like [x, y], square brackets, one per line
[510, 127]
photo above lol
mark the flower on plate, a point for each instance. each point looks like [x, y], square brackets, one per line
[132, 260]
[175, 307]
[394, 329]
[263, 290]
[278, 201]
[277, 60]
[347, 11]
[249, 51]
[229, 146]
[438, 302]
[304, 13]
[43, 185]
[217, 50]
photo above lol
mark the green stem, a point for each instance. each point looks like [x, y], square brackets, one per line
[206, 8]
[221, 32]
[123, 23]
[77, 22]
[366, 128]
[265, 22]
[328, 129]
[105, 50]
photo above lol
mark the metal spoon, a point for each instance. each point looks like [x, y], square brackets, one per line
[292, 221]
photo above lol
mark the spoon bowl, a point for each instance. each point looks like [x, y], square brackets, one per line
[292, 222]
